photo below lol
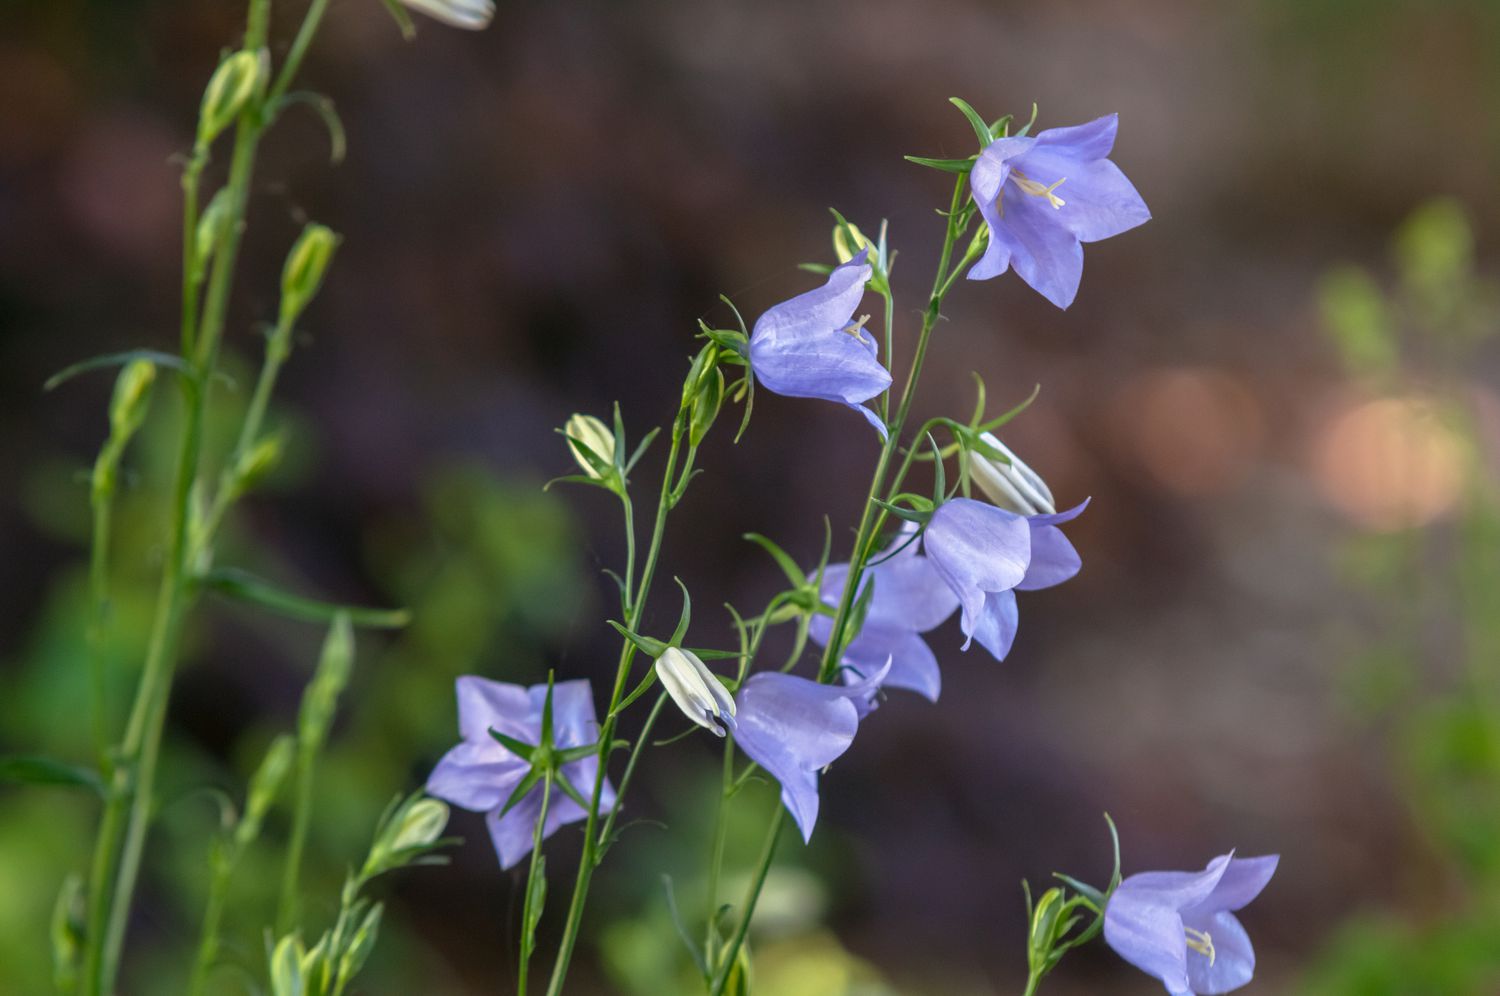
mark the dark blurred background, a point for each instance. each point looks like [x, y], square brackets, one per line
[536, 216]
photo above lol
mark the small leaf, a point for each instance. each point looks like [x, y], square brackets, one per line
[37, 770]
[783, 559]
[945, 165]
[651, 647]
[536, 900]
[247, 587]
[682, 931]
[980, 126]
[119, 360]
[687, 615]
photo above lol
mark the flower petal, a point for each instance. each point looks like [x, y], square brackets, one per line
[1053, 559]
[476, 776]
[1176, 890]
[1093, 140]
[483, 704]
[996, 626]
[1233, 964]
[913, 665]
[1149, 936]
[573, 722]
[1099, 201]
[1043, 251]
[977, 548]
[986, 180]
[1243, 880]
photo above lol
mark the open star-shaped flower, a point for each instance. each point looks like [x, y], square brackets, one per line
[1043, 196]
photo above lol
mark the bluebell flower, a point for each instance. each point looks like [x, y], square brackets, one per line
[910, 598]
[981, 553]
[1181, 928]
[812, 347]
[480, 774]
[794, 728]
[1043, 196]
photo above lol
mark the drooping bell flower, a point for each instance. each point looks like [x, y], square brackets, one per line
[811, 346]
[1043, 196]
[480, 774]
[909, 599]
[982, 554]
[794, 728]
[1180, 926]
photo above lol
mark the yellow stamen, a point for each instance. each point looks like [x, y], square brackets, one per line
[857, 328]
[1201, 942]
[1030, 186]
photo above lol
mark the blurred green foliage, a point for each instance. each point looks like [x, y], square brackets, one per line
[1429, 672]
[489, 567]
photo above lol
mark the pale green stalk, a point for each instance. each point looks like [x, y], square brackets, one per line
[286, 904]
[528, 937]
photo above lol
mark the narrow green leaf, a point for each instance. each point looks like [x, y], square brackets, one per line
[945, 165]
[685, 618]
[980, 126]
[783, 559]
[546, 738]
[323, 107]
[245, 586]
[1000, 420]
[1085, 890]
[648, 646]
[37, 770]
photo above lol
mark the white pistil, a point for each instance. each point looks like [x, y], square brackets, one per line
[1030, 186]
[1201, 942]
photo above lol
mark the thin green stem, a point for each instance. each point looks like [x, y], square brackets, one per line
[716, 859]
[635, 752]
[1032, 981]
[752, 896]
[291, 872]
[529, 937]
[591, 843]
[629, 548]
[213, 914]
[103, 493]
[295, 54]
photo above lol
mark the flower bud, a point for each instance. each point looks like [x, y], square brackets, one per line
[361, 944]
[589, 436]
[257, 463]
[210, 227]
[304, 269]
[421, 824]
[848, 241]
[695, 689]
[264, 786]
[232, 85]
[322, 695]
[706, 404]
[472, 15]
[287, 976]
[1013, 485]
[127, 409]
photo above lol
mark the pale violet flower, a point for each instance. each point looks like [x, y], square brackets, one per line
[909, 599]
[480, 774]
[811, 346]
[696, 691]
[793, 728]
[1043, 196]
[981, 553]
[1180, 926]
[469, 14]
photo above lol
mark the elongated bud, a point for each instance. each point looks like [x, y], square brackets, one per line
[257, 463]
[264, 786]
[287, 977]
[237, 79]
[471, 15]
[305, 266]
[1014, 485]
[210, 229]
[127, 409]
[406, 834]
[695, 689]
[363, 942]
[592, 444]
[328, 682]
[848, 241]
[706, 404]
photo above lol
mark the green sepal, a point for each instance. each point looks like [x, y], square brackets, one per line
[685, 618]
[945, 165]
[1000, 127]
[640, 450]
[519, 748]
[919, 516]
[783, 559]
[154, 356]
[637, 691]
[1085, 890]
[247, 587]
[1027, 128]
[1000, 420]
[524, 786]
[581, 751]
[402, 18]
[821, 269]
[980, 126]
[38, 770]
[652, 648]
[545, 740]
[321, 105]
[561, 780]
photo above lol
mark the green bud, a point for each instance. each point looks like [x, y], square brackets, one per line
[706, 405]
[211, 225]
[127, 409]
[304, 269]
[264, 786]
[328, 682]
[257, 463]
[408, 832]
[849, 241]
[363, 942]
[238, 78]
[587, 436]
[287, 978]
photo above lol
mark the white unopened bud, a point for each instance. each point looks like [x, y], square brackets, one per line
[585, 432]
[1010, 485]
[469, 14]
[695, 689]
